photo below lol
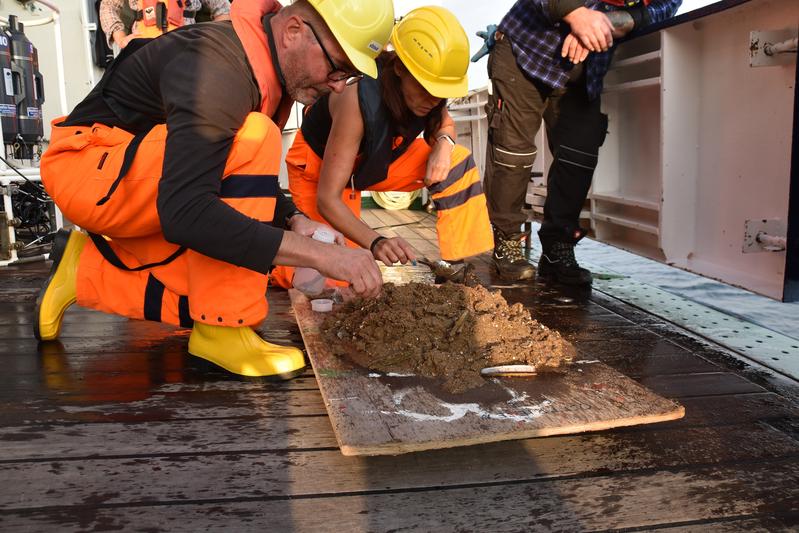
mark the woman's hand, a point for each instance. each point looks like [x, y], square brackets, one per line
[393, 250]
[439, 163]
[306, 227]
[122, 39]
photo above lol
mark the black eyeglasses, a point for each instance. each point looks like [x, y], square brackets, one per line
[336, 73]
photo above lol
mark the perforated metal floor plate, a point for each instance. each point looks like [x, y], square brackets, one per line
[767, 347]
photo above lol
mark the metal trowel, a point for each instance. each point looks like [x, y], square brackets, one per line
[508, 370]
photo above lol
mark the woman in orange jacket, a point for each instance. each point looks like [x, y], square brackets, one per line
[366, 139]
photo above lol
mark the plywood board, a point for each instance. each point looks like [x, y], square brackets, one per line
[384, 414]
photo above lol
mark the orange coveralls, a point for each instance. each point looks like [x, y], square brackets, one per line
[462, 223]
[83, 172]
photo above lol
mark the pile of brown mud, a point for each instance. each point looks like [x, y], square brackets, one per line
[451, 332]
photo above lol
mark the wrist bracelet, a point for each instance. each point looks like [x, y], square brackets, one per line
[374, 243]
[290, 216]
[446, 137]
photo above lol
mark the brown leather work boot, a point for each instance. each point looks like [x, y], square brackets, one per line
[509, 259]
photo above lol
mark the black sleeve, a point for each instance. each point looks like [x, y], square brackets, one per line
[560, 8]
[207, 96]
[285, 207]
[640, 15]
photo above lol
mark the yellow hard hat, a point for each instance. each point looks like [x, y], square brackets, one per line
[361, 27]
[433, 46]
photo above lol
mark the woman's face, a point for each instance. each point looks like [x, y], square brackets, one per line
[418, 100]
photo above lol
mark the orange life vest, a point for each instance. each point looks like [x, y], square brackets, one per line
[248, 22]
[158, 16]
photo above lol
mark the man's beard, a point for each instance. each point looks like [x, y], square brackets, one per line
[300, 87]
[307, 94]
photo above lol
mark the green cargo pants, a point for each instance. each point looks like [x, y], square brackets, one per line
[576, 129]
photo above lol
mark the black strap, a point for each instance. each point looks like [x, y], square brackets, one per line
[153, 299]
[110, 255]
[139, 14]
[375, 243]
[127, 162]
[183, 312]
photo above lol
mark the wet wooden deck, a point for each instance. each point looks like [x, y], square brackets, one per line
[115, 427]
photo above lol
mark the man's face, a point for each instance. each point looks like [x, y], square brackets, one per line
[312, 60]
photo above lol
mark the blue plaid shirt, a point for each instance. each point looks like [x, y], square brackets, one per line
[537, 41]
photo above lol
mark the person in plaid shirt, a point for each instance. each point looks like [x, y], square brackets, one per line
[547, 62]
[116, 31]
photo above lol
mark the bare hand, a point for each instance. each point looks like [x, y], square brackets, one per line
[438, 163]
[306, 227]
[592, 28]
[355, 266]
[572, 49]
[394, 250]
[126, 39]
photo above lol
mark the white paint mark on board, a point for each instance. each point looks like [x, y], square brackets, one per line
[456, 411]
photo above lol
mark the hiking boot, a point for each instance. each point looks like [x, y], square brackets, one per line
[508, 258]
[558, 263]
[60, 290]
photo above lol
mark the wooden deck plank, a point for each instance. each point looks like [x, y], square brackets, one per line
[694, 385]
[142, 405]
[576, 504]
[762, 523]
[661, 365]
[128, 479]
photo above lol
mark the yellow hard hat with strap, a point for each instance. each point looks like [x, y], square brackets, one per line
[433, 46]
[361, 27]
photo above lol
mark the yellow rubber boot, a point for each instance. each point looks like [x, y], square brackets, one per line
[242, 351]
[60, 289]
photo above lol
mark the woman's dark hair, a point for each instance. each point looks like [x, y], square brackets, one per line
[391, 89]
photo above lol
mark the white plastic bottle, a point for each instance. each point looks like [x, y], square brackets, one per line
[308, 280]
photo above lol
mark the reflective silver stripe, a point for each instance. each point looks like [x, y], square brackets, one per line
[455, 173]
[459, 198]
[578, 151]
[515, 153]
[505, 164]
[575, 164]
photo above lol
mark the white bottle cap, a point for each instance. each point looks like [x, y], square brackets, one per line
[324, 235]
[322, 305]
